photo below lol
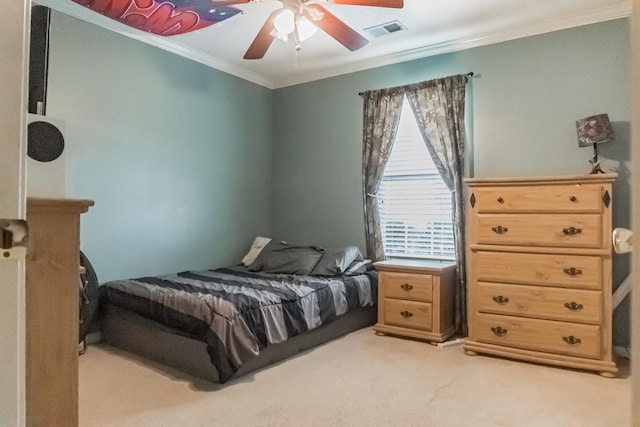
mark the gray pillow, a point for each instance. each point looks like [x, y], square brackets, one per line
[280, 257]
[336, 261]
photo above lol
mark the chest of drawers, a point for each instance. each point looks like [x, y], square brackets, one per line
[415, 299]
[51, 314]
[539, 270]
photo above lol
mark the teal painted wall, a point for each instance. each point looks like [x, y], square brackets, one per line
[183, 179]
[522, 106]
[176, 155]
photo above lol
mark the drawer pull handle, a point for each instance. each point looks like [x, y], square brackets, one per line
[573, 306]
[572, 271]
[500, 200]
[499, 229]
[498, 331]
[571, 231]
[573, 199]
[406, 314]
[571, 340]
[406, 287]
[501, 300]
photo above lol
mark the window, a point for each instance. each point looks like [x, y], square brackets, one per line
[415, 204]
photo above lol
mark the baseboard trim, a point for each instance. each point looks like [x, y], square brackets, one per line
[93, 337]
[450, 343]
[622, 352]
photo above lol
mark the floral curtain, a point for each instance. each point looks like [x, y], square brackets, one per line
[438, 106]
[381, 118]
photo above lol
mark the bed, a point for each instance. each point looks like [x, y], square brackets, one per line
[223, 323]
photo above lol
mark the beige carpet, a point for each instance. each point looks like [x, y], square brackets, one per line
[358, 380]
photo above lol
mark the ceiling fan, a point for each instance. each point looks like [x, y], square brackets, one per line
[297, 18]
[302, 18]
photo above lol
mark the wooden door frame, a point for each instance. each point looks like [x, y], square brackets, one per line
[635, 211]
[14, 45]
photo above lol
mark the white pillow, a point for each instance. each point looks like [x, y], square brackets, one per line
[258, 244]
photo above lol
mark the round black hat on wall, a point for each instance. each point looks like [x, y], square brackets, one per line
[45, 142]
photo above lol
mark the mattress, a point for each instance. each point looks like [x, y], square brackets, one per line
[151, 340]
[235, 315]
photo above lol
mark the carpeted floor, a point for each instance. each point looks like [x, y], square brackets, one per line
[358, 380]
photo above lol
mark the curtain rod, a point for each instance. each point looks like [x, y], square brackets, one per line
[468, 75]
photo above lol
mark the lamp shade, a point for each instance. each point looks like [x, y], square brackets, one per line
[594, 130]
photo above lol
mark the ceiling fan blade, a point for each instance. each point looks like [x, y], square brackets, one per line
[398, 4]
[337, 29]
[263, 39]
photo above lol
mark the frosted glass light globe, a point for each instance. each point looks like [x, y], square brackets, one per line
[305, 28]
[284, 22]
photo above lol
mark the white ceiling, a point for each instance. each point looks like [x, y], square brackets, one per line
[433, 27]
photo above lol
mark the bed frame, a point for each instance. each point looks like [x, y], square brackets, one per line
[147, 338]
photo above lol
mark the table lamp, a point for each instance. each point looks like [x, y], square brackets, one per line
[594, 130]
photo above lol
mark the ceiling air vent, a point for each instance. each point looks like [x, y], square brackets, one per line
[387, 28]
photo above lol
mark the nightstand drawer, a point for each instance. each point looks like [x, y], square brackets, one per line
[546, 303]
[540, 335]
[408, 314]
[561, 230]
[532, 198]
[565, 271]
[415, 287]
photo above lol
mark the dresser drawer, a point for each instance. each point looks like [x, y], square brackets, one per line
[547, 303]
[541, 335]
[415, 287]
[559, 230]
[566, 271]
[408, 314]
[574, 198]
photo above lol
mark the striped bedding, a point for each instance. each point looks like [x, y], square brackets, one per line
[237, 312]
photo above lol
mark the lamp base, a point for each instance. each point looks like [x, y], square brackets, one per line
[595, 168]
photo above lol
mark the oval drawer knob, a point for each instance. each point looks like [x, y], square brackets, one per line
[498, 331]
[406, 314]
[571, 231]
[574, 199]
[572, 271]
[499, 229]
[406, 287]
[501, 300]
[573, 306]
[500, 200]
[571, 340]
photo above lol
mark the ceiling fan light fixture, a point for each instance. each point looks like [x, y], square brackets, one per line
[278, 35]
[305, 28]
[285, 23]
[314, 14]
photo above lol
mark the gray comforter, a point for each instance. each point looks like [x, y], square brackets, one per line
[237, 312]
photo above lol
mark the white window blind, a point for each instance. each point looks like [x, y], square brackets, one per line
[415, 204]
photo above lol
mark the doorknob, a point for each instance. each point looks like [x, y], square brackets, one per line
[14, 234]
[622, 240]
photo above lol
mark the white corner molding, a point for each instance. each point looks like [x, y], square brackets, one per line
[562, 22]
[70, 8]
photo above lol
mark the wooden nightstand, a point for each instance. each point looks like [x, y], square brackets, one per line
[416, 299]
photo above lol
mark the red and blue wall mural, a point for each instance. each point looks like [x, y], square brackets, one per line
[162, 17]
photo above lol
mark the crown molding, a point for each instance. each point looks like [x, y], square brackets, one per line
[560, 23]
[77, 11]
